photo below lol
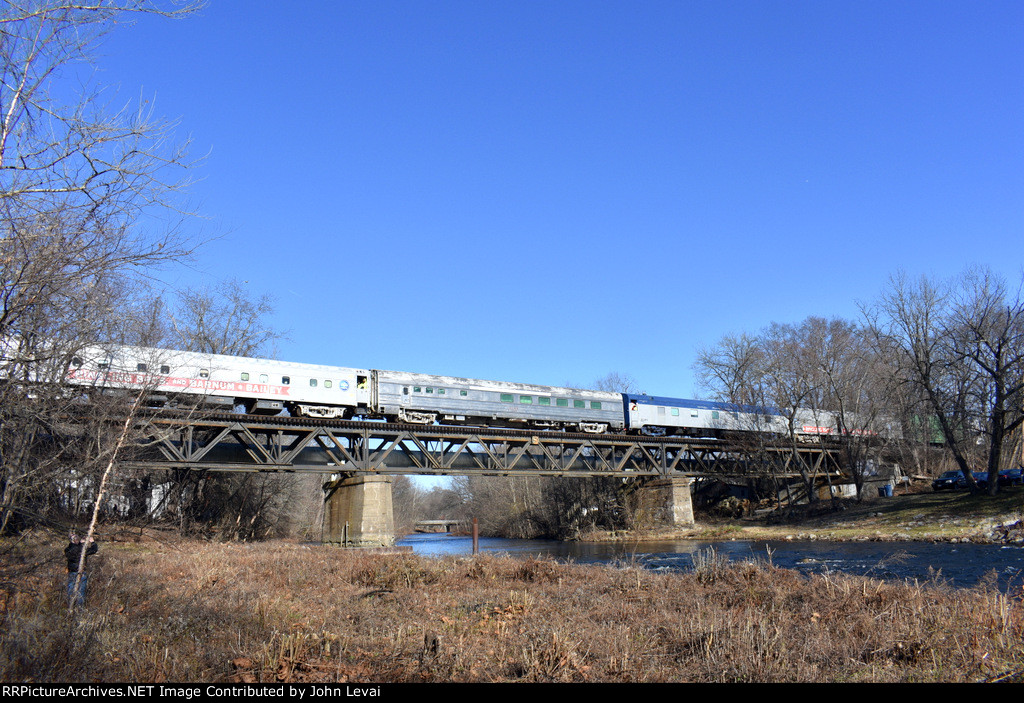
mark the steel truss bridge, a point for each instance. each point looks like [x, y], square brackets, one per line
[231, 442]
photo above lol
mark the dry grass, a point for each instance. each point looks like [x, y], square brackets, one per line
[279, 611]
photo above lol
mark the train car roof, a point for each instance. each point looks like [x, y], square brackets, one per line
[124, 351]
[699, 404]
[493, 385]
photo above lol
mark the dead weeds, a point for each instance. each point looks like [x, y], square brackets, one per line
[200, 611]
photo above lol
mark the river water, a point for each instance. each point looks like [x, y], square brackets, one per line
[959, 565]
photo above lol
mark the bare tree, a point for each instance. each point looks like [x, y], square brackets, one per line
[960, 344]
[75, 178]
[732, 369]
[617, 383]
[821, 373]
[97, 165]
[988, 325]
[772, 376]
[507, 506]
[854, 392]
[406, 501]
[226, 320]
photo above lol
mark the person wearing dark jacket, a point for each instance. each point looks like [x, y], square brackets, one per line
[73, 553]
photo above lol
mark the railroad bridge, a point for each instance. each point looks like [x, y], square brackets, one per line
[441, 525]
[362, 454]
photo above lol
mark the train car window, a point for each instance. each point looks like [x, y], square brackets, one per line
[165, 369]
[245, 375]
[405, 390]
[204, 373]
[286, 380]
[661, 411]
[415, 389]
[562, 402]
[506, 397]
[76, 361]
[312, 383]
[140, 367]
[440, 391]
[694, 413]
[579, 404]
[263, 378]
[429, 389]
[595, 405]
[526, 399]
[361, 382]
[714, 414]
[103, 365]
[543, 401]
[463, 393]
[675, 412]
[328, 384]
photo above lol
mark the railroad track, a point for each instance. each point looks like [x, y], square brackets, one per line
[271, 422]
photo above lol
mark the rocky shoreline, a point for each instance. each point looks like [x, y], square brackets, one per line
[1010, 533]
[988, 532]
[911, 516]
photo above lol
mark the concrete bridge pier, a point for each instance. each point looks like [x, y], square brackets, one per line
[676, 499]
[358, 512]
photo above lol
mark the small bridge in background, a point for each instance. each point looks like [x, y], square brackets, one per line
[433, 526]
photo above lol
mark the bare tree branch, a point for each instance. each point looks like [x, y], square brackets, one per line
[75, 179]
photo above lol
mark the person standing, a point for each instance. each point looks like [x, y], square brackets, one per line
[76, 581]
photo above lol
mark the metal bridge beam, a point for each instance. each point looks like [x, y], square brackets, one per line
[248, 443]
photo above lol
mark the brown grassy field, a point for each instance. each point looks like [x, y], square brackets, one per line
[187, 611]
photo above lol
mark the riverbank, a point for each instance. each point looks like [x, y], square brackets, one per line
[945, 516]
[167, 609]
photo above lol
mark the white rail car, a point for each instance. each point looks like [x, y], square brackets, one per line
[261, 386]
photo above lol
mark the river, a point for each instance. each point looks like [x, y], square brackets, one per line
[959, 565]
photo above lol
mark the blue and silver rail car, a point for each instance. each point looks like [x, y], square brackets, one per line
[659, 416]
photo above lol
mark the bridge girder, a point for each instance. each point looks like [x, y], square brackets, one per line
[227, 442]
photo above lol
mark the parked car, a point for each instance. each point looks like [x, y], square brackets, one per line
[1011, 477]
[980, 478]
[949, 479]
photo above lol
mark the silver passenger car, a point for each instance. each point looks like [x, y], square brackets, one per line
[425, 398]
[656, 415]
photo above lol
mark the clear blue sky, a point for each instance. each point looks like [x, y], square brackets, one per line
[550, 191]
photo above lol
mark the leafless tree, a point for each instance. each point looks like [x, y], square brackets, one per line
[406, 502]
[75, 179]
[617, 383]
[960, 344]
[508, 506]
[732, 369]
[226, 320]
[821, 372]
[95, 165]
[988, 319]
[855, 393]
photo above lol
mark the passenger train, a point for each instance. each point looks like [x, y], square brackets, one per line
[268, 387]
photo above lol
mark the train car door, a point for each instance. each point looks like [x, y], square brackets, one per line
[366, 388]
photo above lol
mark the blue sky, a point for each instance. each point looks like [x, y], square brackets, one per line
[548, 192]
